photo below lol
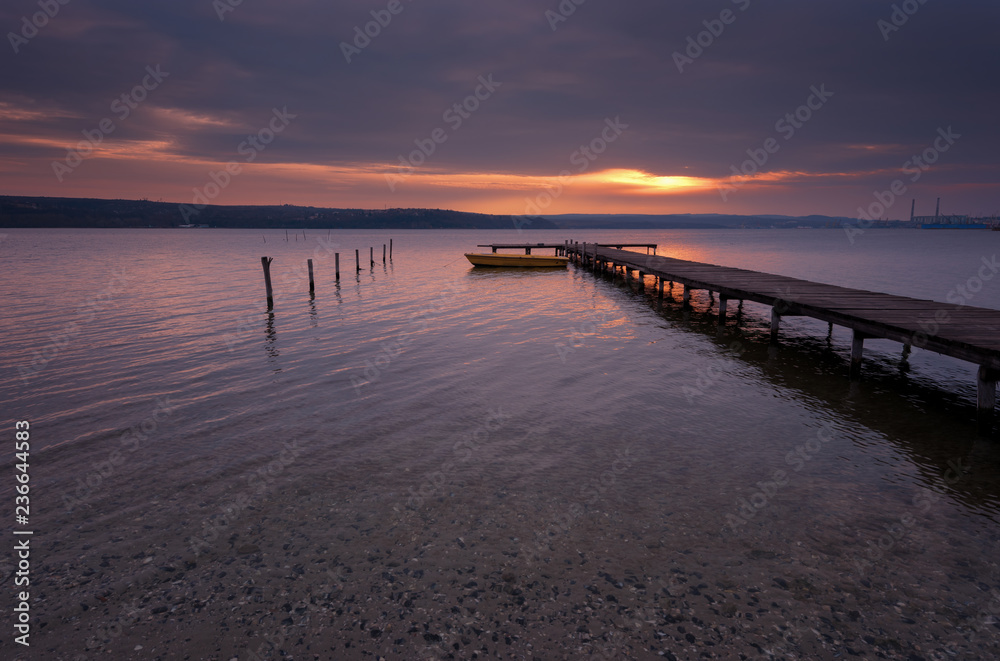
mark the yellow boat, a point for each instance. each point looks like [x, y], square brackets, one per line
[496, 259]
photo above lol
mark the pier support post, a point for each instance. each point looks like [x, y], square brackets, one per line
[642, 280]
[265, 262]
[371, 257]
[390, 250]
[357, 260]
[383, 253]
[687, 296]
[312, 283]
[986, 386]
[722, 309]
[857, 351]
[775, 324]
[336, 265]
[660, 295]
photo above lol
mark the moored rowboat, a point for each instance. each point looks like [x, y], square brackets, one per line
[496, 259]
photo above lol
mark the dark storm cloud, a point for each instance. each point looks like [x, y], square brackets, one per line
[607, 59]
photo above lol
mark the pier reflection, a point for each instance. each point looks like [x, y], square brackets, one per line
[270, 337]
[925, 423]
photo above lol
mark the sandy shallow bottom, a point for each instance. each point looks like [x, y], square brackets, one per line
[320, 566]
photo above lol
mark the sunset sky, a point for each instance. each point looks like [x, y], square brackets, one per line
[520, 106]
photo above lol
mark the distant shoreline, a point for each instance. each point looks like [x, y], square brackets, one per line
[58, 212]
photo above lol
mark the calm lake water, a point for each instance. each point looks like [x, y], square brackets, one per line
[428, 460]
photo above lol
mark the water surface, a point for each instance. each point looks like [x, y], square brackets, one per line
[535, 462]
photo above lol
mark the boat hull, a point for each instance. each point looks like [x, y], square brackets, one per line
[532, 261]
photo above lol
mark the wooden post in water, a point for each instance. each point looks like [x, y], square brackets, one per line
[312, 283]
[266, 263]
[661, 289]
[371, 256]
[857, 351]
[383, 253]
[336, 264]
[687, 296]
[986, 386]
[357, 260]
[390, 250]
[775, 324]
[722, 309]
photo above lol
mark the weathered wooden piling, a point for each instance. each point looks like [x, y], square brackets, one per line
[357, 260]
[371, 257]
[383, 253]
[312, 283]
[390, 250]
[722, 309]
[857, 352]
[265, 262]
[336, 265]
[986, 398]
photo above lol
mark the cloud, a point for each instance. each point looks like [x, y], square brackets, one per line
[606, 60]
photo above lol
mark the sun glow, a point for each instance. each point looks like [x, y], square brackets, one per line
[644, 182]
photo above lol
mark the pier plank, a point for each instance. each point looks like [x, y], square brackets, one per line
[964, 332]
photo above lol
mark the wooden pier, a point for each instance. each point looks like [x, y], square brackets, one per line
[560, 248]
[964, 332]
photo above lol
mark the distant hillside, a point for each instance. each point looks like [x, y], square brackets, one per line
[689, 221]
[79, 212]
